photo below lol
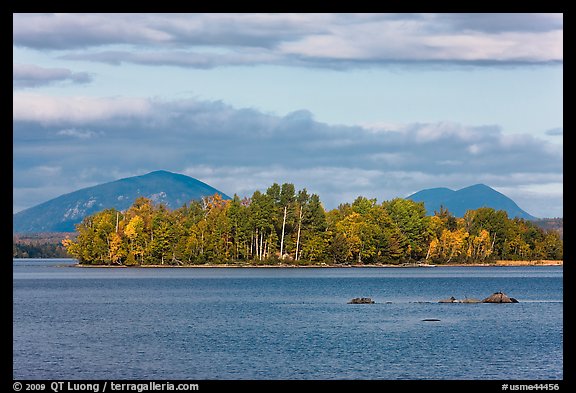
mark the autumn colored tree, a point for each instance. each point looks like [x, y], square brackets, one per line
[293, 227]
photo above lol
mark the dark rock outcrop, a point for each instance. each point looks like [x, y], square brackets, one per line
[499, 297]
[361, 300]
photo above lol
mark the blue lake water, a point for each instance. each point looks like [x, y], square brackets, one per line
[284, 323]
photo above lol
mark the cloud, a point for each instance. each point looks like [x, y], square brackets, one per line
[241, 150]
[77, 133]
[335, 41]
[558, 131]
[502, 22]
[29, 75]
[179, 58]
[65, 31]
[74, 110]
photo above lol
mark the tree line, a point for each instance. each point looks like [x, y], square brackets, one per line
[43, 250]
[283, 225]
[38, 245]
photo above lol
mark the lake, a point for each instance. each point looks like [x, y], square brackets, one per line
[284, 323]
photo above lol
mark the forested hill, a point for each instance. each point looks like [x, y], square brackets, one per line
[61, 214]
[552, 224]
[468, 198]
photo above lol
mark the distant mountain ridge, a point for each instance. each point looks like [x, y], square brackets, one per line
[468, 198]
[62, 213]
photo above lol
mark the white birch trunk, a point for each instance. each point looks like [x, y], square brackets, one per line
[282, 238]
[261, 239]
[299, 227]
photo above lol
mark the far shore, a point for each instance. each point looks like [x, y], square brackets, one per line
[499, 263]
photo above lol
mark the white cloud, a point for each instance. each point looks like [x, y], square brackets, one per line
[74, 110]
[317, 40]
[178, 58]
[29, 75]
[44, 170]
[79, 133]
[501, 47]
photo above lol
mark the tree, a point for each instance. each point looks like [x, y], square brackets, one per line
[92, 244]
[387, 237]
[479, 246]
[310, 220]
[411, 219]
[315, 248]
[552, 246]
[117, 251]
[362, 205]
[219, 229]
[163, 237]
[260, 216]
[239, 228]
[284, 213]
[359, 234]
[134, 231]
[496, 222]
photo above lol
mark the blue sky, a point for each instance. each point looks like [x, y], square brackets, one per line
[379, 105]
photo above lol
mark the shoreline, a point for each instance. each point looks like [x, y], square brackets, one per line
[498, 263]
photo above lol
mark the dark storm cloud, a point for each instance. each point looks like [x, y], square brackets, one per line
[239, 150]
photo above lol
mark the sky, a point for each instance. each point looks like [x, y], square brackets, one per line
[344, 105]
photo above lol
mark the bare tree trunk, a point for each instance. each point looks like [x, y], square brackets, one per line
[261, 239]
[282, 239]
[257, 251]
[236, 240]
[202, 244]
[493, 241]
[299, 227]
[451, 255]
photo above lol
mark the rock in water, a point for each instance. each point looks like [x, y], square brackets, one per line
[361, 300]
[451, 299]
[471, 300]
[499, 297]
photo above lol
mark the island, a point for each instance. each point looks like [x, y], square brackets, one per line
[282, 227]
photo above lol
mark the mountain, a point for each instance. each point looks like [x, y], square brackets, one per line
[62, 213]
[469, 198]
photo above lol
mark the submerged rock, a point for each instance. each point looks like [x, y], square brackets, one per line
[361, 300]
[499, 297]
[471, 300]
